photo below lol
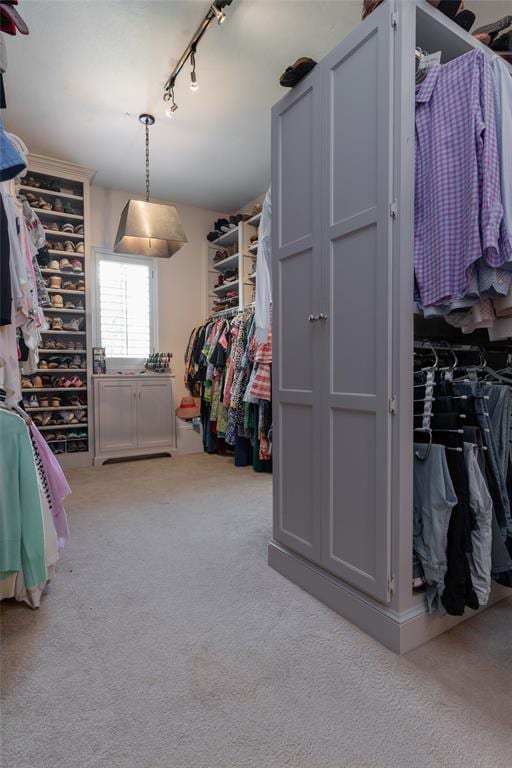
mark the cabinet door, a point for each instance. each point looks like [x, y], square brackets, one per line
[155, 413]
[296, 172]
[117, 417]
[356, 252]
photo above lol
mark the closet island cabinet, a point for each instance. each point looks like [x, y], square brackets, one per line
[134, 416]
[343, 161]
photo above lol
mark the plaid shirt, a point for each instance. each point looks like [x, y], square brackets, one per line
[458, 208]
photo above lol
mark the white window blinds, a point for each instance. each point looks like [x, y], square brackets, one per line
[125, 306]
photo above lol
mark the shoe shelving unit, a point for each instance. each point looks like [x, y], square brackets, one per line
[71, 443]
[234, 246]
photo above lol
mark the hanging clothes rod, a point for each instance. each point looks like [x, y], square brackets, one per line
[446, 346]
[231, 312]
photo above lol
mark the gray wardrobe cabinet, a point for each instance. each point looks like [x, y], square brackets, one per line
[343, 330]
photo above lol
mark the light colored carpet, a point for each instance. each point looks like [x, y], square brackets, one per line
[167, 642]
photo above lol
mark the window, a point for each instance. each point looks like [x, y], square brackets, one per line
[125, 305]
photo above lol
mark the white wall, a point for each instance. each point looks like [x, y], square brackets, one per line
[181, 279]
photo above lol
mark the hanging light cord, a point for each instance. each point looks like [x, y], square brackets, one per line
[147, 162]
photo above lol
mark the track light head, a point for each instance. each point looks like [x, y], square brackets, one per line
[219, 15]
[194, 85]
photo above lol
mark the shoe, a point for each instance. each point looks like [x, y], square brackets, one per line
[57, 205]
[56, 282]
[55, 186]
[58, 246]
[52, 226]
[68, 208]
[69, 246]
[80, 286]
[25, 402]
[54, 265]
[503, 43]
[42, 204]
[72, 446]
[294, 74]
[26, 383]
[43, 401]
[55, 362]
[33, 402]
[33, 182]
[68, 417]
[76, 362]
[37, 381]
[79, 345]
[57, 301]
[76, 265]
[57, 324]
[67, 227]
[55, 401]
[79, 229]
[43, 364]
[72, 325]
[494, 29]
[465, 20]
[80, 247]
[49, 344]
[65, 265]
[60, 344]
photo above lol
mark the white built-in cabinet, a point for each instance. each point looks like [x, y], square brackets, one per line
[134, 416]
[343, 323]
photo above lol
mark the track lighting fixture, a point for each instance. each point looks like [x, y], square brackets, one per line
[219, 15]
[215, 12]
[194, 85]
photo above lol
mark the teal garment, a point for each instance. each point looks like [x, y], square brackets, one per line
[21, 519]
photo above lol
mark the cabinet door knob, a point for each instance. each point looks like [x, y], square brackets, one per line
[313, 318]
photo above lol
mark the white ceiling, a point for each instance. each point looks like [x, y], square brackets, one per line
[76, 85]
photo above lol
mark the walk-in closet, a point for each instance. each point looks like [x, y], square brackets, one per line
[256, 383]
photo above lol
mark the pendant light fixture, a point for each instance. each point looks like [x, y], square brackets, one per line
[149, 229]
